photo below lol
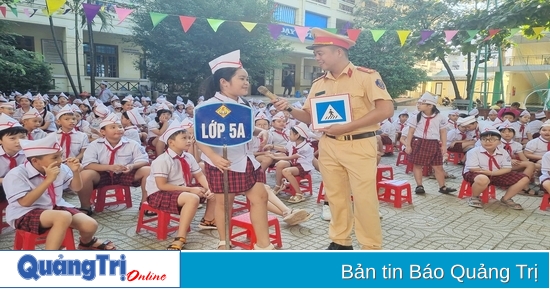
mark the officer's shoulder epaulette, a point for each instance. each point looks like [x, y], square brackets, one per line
[364, 69]
[319, 78]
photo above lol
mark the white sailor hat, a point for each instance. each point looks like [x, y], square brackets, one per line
[7, 122]
[280, 115]
[101, 110]
[492, 111]
[231, 59]
[40, 147]
[466, 120]
[135, 117]
[172, 129]
[112, 118]
[32, 113]
[64, 110]
[62, 95]
[473, 112]
[187, 123]
[428, 98]
[260, 115]
[540, 115]
[303, 130]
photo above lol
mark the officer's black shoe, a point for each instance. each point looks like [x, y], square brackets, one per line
[334, 246]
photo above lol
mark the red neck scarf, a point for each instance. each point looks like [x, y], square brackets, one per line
[113, 153]
[13, 161]
[492, 161]
[66, 142]
[281, 133]
[427, 125]
[29, 136]
[185, 168]
[51, 192]
[463, 134]
[508, 148]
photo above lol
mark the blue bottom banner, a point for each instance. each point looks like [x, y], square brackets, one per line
[360, 269]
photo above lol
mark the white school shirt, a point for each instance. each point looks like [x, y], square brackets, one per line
[545, 167]
[472, 134]
[451, 125]
[5, 161]
[132, 132]
[398, 126]
[476, 158]
[534, 126]
[453, 135]
[519, 135]
[84, 126]
[388, 128]
[18, 114]
[167, 166]
[181, 115]
[79, 141]
[51, 118]
[130, 153]
[55, 109]
[38, 134]
[514, 145]
[278, 138]
[150, 127]
[537, 146]
[237, 155]
[23, 179]
[437, 123]
[305, 151]
[147, 110]
[95, 123]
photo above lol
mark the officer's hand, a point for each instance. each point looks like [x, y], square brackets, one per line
[280, 104]
[335, 129]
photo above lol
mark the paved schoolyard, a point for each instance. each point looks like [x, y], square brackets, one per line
[433, 221]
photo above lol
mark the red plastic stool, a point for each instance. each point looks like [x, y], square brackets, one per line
[388, 148]
[27, 241]
[455, 158]
[401, 159]
[466, 191]
[239, 206]
[426, 170]
[162, 218]
[545, 204]
[3, 206]
[121, 193]
[151, 152]
[243, 221]
[305, 187]
[320, 195]
[380, 170]
[393, 192]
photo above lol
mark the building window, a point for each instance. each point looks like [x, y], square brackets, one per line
[287, 69]
[284, 14]
[320, 1]
[343, 26]
[106, 60]
[316, 20]
[345, 8]
[349, 1]
[24, 43]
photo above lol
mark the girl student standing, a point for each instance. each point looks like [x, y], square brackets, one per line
[228, 82]
[426, 142]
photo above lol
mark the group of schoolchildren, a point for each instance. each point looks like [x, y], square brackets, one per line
[47, 149]
[507, 150]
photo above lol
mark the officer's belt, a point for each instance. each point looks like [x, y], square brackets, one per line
[353, 136]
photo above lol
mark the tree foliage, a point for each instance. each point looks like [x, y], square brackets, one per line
[21, 70]
[395, 65]
[181, 59]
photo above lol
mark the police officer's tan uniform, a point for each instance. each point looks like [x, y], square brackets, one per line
[348, 163]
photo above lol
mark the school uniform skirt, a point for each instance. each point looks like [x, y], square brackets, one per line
[386, 140]
[505, 180]
[425, 152]
[30, 222]
[238, 182]
[165, 201]
[108, 179]
[457, 148]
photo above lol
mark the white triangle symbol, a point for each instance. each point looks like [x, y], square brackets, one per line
[331, 114]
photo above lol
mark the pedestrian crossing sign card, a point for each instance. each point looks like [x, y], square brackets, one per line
[329, 110]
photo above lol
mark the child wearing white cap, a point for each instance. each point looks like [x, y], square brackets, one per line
[85, 108]
[536, 148]
[229, 81]
[24, 104]
[492, 115]
[11, 155]
[156, 128]
[48, 119]
[457, 140]
[169, 182]
[472, 126]
[426, 142]
[276, 142]
[81, 124]
[127, 103]
[452, 119]
[131, 121]
[35, 195]
[8, 108]
[189, 108]
[522, 133]
[534, 126]
[62, 101]
[99, 113]
[73, 142]
[401, 122]
[387, 130]
[489, 164]
[114, 100]
[180, 109]
[147, 108]
[31, 121]
[298, 161]
[113, 160]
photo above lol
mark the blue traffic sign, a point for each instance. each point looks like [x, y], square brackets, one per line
[223, 124]
[329, 110]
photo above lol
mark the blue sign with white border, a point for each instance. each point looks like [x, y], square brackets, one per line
[223, 124]
[329, 110]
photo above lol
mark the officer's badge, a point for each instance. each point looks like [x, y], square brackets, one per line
[380, 84]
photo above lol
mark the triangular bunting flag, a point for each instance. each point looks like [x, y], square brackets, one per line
[513, 32]
[353, 34]
[403, 34]
[186, 22]
[274, 29]
[472, 34]
[215, 23]
[90, 10]
[248, 25]
[450, 34]
[27, 12]
[301, 32]
[14, 11]
[538, 30]
[331, 30]
[492, 33]
[53, 5]
[122, 13]
[156, 18]
[376, 34]
[3, 10]
[424, 35]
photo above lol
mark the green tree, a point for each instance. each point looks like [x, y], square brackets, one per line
[180, 60]
[395, 65]
[21, 70]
